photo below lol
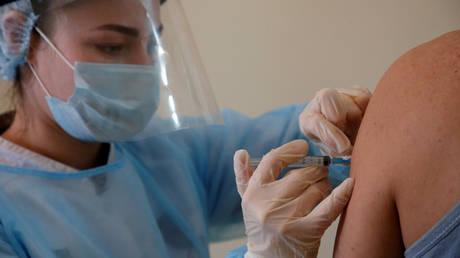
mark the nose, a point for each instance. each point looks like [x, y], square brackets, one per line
[143, 56]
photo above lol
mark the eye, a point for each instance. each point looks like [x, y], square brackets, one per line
[151, 46]
[110, 49]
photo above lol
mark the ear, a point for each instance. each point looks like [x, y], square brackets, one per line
[34, 42]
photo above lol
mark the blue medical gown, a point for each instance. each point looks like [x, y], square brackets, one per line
[168, 196]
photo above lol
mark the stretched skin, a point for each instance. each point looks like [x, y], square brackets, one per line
[406, 159]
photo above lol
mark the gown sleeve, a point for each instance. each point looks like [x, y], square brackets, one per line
[6, 249]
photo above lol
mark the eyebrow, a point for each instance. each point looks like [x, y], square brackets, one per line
[121, 29]
[125, 30]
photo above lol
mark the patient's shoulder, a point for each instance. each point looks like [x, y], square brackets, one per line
[427, 71]
[405, 157]
[418, 98]
[413, 121]
[419, 95]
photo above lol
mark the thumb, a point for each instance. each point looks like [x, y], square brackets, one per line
[243, 170]
[331, 207]
[360, 96]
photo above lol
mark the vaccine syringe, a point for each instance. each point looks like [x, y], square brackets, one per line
[309, 161]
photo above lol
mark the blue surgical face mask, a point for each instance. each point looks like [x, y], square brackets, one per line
[111, 102]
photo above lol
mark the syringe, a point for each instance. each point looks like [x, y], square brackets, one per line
[311, 161]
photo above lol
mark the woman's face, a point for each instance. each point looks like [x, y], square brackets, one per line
[99, 31]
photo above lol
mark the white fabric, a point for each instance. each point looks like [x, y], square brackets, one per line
[15, 155]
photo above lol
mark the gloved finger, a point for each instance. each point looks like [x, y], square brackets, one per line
[320, 130]
[315, 224]
[273, 163]
[329, 103]
[360, 95]
[342, 112]
[309, 198]
[294, 183]
[243, 170]
[354, 117]
[331, 207]
[337, 106]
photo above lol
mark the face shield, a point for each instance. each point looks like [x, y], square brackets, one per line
[135, 67]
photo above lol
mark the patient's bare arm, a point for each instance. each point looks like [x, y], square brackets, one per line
[406, 159]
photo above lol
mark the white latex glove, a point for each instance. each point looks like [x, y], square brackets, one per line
[283, 217]
[333, 117]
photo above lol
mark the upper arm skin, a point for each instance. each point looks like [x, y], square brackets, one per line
[404, 161]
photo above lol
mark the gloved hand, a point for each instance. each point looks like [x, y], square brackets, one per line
[280, 215]
[333, 117]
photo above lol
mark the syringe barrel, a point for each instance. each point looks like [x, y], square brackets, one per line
[304, 162]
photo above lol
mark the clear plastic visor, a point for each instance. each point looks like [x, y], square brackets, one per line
[145, 47]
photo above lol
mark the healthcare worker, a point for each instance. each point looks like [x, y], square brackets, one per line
[116, 146]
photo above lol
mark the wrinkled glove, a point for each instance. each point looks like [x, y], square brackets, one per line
[286, 217]
[333, 117]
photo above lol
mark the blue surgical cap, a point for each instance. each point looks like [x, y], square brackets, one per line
[13, 51]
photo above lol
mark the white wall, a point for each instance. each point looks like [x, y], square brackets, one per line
[261, 54]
